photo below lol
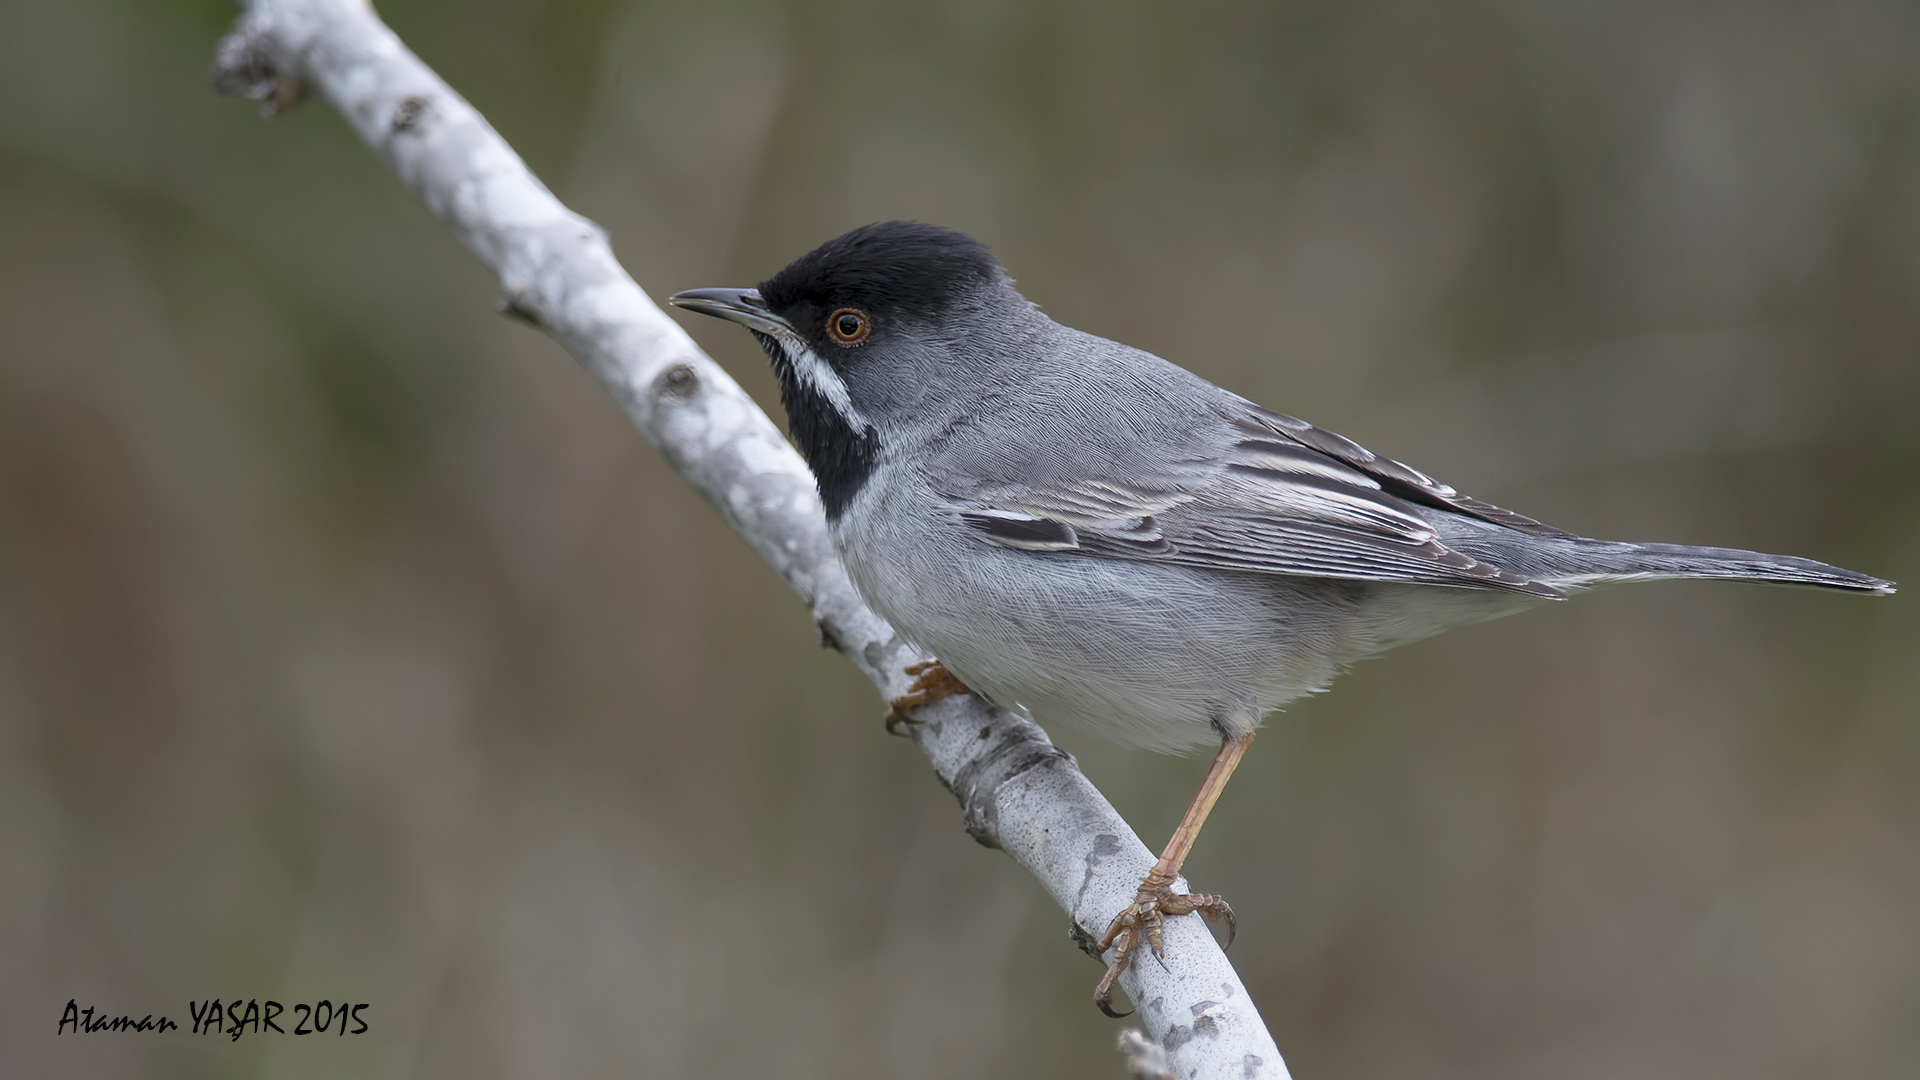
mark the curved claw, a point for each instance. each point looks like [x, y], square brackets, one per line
[1216, 908]
[1103, 993]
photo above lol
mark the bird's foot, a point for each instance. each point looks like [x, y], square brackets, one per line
[1142, 921]
[932, 683]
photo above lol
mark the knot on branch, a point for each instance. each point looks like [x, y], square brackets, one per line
[1085, 940]
[680, 382]
[513, 303]
[249, 65]
[407, 113]
[1017, 746]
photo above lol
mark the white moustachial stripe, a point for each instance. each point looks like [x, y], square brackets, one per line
[819, 375]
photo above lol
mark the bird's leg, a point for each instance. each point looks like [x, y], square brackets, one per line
[1156, 899]
[933, 683]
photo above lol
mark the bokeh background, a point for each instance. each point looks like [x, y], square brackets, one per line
[353, 646]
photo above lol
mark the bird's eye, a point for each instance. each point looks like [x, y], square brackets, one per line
[848, 326]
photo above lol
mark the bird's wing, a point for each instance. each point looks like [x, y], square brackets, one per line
[1254, 490]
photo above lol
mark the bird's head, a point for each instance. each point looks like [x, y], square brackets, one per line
[866, 330]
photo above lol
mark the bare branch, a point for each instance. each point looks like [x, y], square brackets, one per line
[1017, 791]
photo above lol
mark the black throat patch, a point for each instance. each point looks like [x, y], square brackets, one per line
[841, 458]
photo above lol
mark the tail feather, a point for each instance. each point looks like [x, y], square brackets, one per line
[1598, 562]
[1579, 563]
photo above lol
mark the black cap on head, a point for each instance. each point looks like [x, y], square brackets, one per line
[890, 267]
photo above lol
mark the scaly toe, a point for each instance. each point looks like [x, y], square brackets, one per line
[1212, 907]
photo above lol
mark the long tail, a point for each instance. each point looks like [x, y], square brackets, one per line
[1585, 564]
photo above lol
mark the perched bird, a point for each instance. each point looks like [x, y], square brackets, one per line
[1087, 532]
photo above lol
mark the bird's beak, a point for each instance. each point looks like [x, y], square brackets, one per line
[743, 306]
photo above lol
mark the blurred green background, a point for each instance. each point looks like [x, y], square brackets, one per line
[353, 646]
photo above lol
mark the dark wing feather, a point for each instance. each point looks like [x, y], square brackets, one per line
[1395, 478]
[1260, 492]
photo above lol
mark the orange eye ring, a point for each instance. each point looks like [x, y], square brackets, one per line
[849, 326]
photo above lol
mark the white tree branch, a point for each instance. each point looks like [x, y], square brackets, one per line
[1017, 792]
